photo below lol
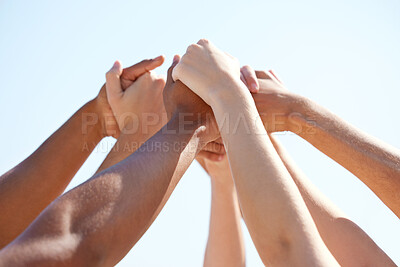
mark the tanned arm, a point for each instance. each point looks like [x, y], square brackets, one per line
[99, 221]
[33, 184]
[375, 163]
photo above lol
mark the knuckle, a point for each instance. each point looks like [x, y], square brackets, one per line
[145, 61]
[247, 68]
[203, 41]
[147, 76]
[191, 48]
[160, 82]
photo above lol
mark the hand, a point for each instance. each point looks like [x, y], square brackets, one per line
[180, 102]
[135, 96]
[208, 71]
[217, 169]
[107, 120]
[129, 75]
[274, 102]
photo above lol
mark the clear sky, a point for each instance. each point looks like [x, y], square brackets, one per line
[344, 54]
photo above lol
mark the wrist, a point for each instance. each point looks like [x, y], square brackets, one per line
[222, 182]
[188, 126]
[222, 188]
[107, 124]
[188, 122]
[229, 93]
[300, 118]
[91, 120]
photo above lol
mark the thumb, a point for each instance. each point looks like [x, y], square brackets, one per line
[175, 62]
[113, 82]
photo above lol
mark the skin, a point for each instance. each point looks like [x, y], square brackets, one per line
[375, 163]
[278, 220]
[33, 184]
[225, 245]
[138, 105]
[87, 225]
[347, 242]
[47, 172]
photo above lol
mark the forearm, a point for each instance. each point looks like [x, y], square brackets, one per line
[275, 214]
[33, 184]
[225, 245]
[127, 143]
[373, 162]
[348, 243]
[104, 217]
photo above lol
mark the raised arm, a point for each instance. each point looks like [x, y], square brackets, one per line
[99, 221]
[139, 111]
[225, 245]
[347, 242]
[375, 163]
[277, 218]
[138, 107]
[33, 184]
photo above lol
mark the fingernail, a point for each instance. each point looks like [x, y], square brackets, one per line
[116, 65]
[221, 157]
[254, 86]
[159, 57]
[176, 59]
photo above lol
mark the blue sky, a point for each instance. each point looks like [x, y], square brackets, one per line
[342, 54]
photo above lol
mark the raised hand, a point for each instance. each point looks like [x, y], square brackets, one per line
[137, 102]
[182, 103]
[207, 71]
[275, 103]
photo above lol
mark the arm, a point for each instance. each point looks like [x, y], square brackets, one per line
[225, 245]
[100, 220]
[347, 242]
[375, 163]
[34, 183]
[277, 218]
[139, 101]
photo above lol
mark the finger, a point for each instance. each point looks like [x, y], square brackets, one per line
[276, 76]
[200, 160]
[113, 82]
[203, 42]
[215, 148]
[219, 141]
[251, 78]
[210, 155]
[175, 61]
[243, 79]
[262, 74]
[133, 72]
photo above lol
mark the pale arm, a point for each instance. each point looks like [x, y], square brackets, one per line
[348, 243]
[275, 214]
[277, 218]
[225, 245]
